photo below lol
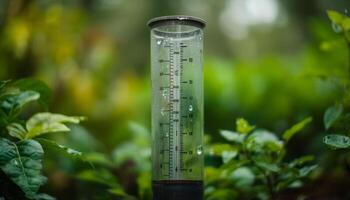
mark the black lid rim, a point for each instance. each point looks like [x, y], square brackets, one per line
[196, 21]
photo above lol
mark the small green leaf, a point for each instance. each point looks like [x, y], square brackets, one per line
[337, 141]
[22, 163]
[49, 144]
[232, 136]
[37, 86]
[288, 134]
[227, 156]
[301, 160]
[335, 16]
[42, 123]
[13, 104]
[242, 126]
[332, 114]
[16, 130]
[44, 197]
[263, 141]
[305, 171]
[268, 166]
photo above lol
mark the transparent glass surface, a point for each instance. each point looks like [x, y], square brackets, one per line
[177, 102]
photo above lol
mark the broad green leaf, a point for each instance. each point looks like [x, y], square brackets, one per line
[49, 144]
[16, 130]
[38, 86]
[242, 126]
[288, 134]
[335, 16]
[337, 141]
[331, 115]
[22, 163]
[13, 104]
[42, 123]
[232, 136]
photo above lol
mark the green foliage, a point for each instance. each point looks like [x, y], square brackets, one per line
[288, 134]
[336, 117]
[337, 141]
[339, 19]
[42, 123]
[22, 163]
[253, 164]
[21, 154]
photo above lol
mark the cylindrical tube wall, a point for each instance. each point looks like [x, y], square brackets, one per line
[177, 107]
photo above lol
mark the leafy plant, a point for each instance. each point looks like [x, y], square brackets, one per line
[336, 116]
[253, 163]
[21, 142]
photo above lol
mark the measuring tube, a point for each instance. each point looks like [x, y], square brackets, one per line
[177, 107]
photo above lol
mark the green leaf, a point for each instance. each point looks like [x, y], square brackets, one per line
[49, 144]
[218, 149]
[335, 16]
[22, 163]
[301, 160]
[44, 197]
[288, 134]
[16, 130]
[232, 136]
[227, 156]
[337, 141]
[268, 166]
[305, 171]
[38, 86]
[339, 19]
[42, 123]
[242, 177]
[331, 115]
[13, 104]
[263, 141]
[100, 176]
[243, 127]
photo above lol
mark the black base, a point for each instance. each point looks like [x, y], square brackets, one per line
[177, 190]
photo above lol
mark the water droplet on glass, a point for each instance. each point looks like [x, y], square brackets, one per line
[199, 150]
[336, 28]
[165, 94]
[162, 111]
[190, 108]
[159, 42]
[166, 134]
[200, 37]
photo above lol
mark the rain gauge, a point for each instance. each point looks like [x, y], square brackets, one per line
[177, 107]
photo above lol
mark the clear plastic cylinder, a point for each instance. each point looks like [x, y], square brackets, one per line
[177, 107]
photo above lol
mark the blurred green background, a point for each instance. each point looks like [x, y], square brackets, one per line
[264, 60]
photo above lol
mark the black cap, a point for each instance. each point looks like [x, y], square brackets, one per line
[181, 19]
